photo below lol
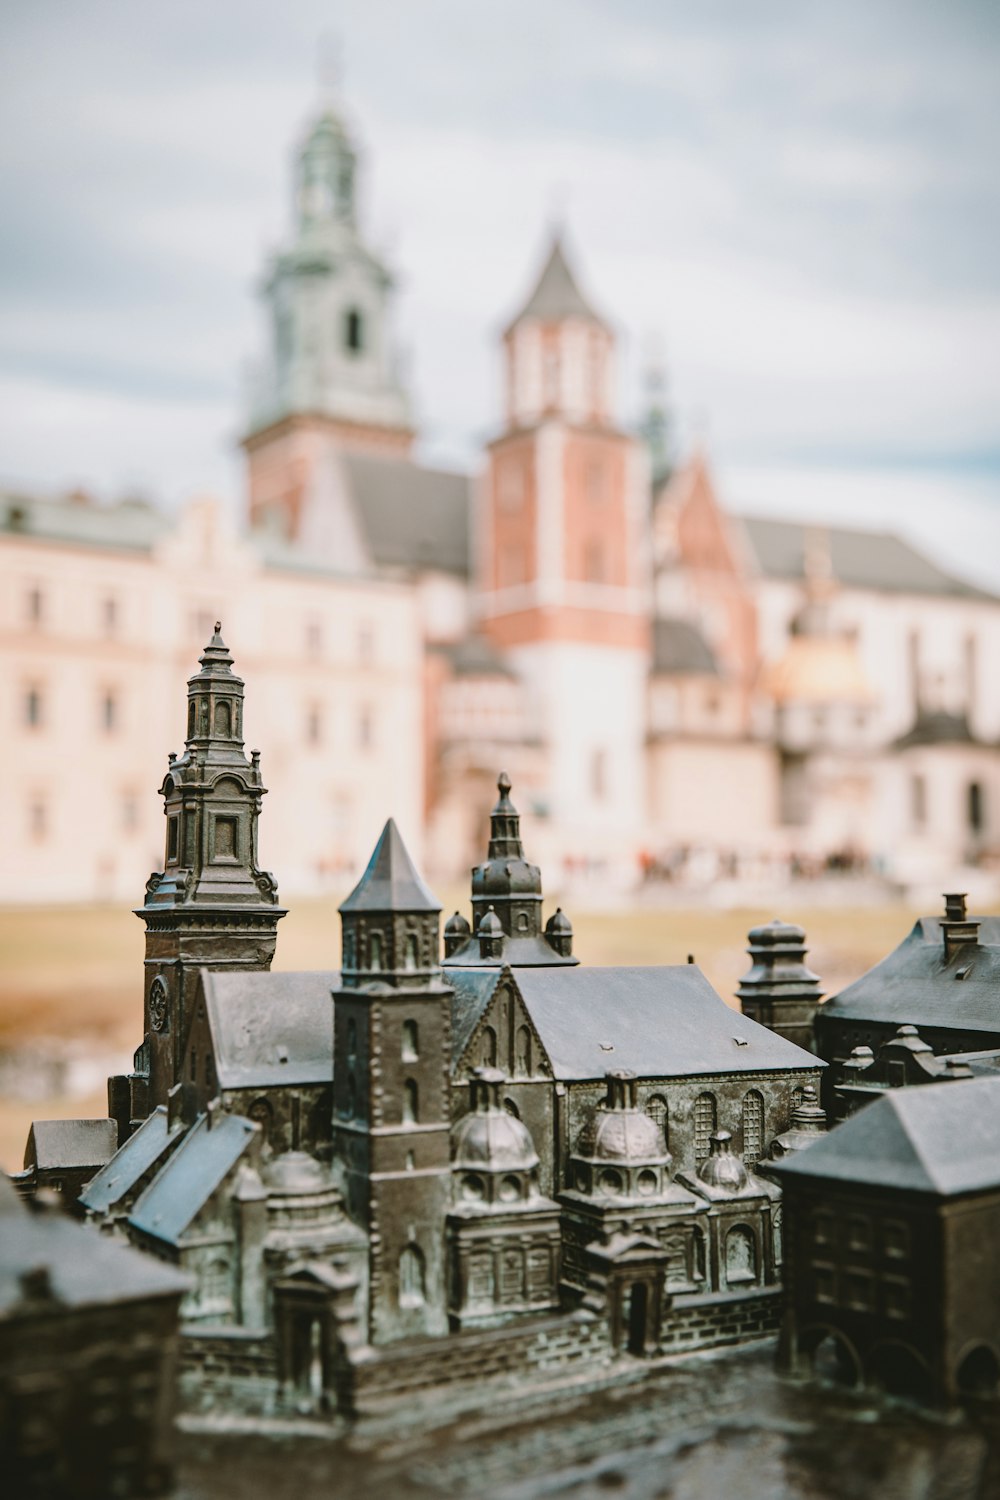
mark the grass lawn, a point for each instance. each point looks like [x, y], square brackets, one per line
[72, 977]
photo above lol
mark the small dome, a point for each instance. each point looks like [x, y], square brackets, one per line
[723, 1169]
[296, 1172]
[490, 926]
[457, 926]
[559, 924]
[622, 1135]
[493, 1140]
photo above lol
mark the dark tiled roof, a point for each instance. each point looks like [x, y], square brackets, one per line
[84, 1268]
[860, 559]
[70, 1143]
[129, 526]
[271, 1029]
[411, 517]
[391, 881]
[661, 1022]
[679, 646]
[142, 1149]
[943, 1138]
[556, 294]
[476, 657]
[191, 1176]
[915, 986]
[937, 729]
[473, 991]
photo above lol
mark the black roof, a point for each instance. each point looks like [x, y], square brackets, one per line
[918, 984]
[941, 1138]
[84, 1268]
[665, 1022]
[53, 1144]
[391, 881]
[679, 646]
[270, 1028]
[411, 517]
[141, 1151]
[858, 558]
[211, 1148]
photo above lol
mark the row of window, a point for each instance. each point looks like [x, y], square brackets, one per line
[862, 1234]
[861, 1290]
[38, 815]
[201, 623]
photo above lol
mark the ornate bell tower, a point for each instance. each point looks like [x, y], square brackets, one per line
[332, 370]
[211, 906]
[563, 562]
[391, 1090]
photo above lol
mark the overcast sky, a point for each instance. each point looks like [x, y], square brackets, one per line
[799, 199]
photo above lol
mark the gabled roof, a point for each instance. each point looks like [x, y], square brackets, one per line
[70, 1143]
[84, 1268]
[556, 295]
[858, 558]
[473, 989]
[191, 1176]
[411, 517]
[679, 646]
[391, 881]
[663, 1022]
[270, 1029]
[941, 1138]
[915, 985]
[140, 1152]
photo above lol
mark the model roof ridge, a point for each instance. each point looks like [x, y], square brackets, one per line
[391, 881]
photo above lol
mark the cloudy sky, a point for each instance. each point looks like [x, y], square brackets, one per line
[799, 200]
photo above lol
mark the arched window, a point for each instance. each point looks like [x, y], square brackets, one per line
[698, 1259]
[704, 1124]
[353, 331]
[979, 1372]
[489, 1047]
[975, 807]
[753, 1128]
[352, 1039]
[412, 960]
[352, 1097]
[512, 1108]
[411, 1102]
[410, 1051]
[522, 1052]
[191, 713]
[216, 1284]
[741, 1256]
[776, 1227]
[658, 1110]
[412, 1284]
[223, 718]
[375, 950]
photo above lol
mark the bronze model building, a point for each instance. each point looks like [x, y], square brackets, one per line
[413, 1170]
[891, 1224]
[88, 1359]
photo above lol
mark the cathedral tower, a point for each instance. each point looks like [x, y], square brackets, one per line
[332, 369]
[562, 560]
[391, 1089]
[211, 906]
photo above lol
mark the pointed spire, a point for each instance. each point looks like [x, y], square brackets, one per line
[391, 881]
[556, 295]
[216, 654]
[505, 824]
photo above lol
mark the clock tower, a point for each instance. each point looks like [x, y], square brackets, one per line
[211, 906]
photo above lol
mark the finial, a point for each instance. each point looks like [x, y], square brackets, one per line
[503, 783]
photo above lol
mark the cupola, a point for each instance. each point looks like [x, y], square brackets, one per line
[507, 888]
[722, 1169]
[494, 1161]
[620, 1152]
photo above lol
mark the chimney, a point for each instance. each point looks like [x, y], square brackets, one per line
[957, 928]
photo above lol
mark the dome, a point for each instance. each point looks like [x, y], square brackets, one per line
[457, 926]
[723, 1169]
[622, 1135]
[559, 925]
[494, 1141]
[490, 926]
[488, 1137]
[295, 1172]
